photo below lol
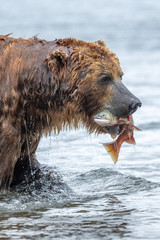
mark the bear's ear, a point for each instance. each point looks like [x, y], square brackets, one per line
[101, 43]
[57, 58]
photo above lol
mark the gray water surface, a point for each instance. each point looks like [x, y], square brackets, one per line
[90, 197]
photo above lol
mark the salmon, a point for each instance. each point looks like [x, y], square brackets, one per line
[114, 147]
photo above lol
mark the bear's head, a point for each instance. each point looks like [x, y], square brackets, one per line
[91, 77]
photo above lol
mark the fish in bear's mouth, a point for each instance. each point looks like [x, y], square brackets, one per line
[116, 126]
[111, 123]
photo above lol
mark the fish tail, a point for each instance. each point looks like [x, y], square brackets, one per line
[112, 149]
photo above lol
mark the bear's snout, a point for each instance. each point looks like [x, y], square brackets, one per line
[122, 103]
[134, 105]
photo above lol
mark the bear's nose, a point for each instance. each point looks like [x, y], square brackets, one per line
[134, 105]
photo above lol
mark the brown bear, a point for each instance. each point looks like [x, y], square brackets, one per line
[48, 85]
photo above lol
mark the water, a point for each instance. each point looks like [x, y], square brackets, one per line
[89, 197]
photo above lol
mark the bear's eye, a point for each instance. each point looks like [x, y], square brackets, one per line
[105, 79]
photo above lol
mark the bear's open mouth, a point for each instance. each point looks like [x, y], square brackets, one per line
[112, 124]
[115, 130]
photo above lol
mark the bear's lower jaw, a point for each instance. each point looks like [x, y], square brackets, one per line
[114, 131]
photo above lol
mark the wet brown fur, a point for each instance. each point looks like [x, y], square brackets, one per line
[47, 86]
